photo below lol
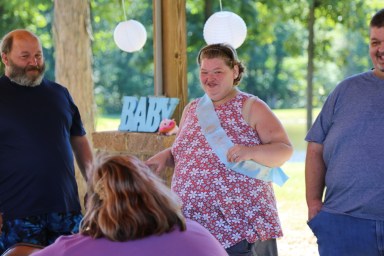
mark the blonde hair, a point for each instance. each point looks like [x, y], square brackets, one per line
[126, 201]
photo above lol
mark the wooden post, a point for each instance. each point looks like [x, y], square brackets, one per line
[73, 67]
[173, 51]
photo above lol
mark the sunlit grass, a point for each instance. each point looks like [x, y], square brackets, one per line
[295, 123]
[107, 123]
[293, 189]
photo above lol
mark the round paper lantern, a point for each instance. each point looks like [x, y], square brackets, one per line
[225, 27]
[130, 35]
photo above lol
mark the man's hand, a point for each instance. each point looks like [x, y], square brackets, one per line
[313, 209]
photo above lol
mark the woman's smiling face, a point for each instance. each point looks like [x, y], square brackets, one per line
[217, 78]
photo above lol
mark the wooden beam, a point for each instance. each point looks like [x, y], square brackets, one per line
[173, 52]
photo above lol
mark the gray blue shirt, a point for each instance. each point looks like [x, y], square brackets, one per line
[351, 128]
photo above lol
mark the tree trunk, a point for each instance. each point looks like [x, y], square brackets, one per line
[72, 37]
[310, 68]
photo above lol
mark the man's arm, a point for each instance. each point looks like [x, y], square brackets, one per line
[82, 152]
[314, 178]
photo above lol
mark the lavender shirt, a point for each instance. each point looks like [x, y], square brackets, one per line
[195, 241]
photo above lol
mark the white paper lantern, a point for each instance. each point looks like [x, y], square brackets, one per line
[130, 35]
[225, 27]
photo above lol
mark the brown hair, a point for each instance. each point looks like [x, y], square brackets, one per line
[225, 52]
[378, 19]
[127, 201]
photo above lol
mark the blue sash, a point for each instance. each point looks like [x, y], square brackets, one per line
[220, 144]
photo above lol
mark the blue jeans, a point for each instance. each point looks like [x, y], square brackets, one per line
[39, 230]
[343, 235]
[259, 248]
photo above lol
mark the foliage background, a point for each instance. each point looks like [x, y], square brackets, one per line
[274, 51]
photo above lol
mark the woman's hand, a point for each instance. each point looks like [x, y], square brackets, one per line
[238, 153]
[160, 161]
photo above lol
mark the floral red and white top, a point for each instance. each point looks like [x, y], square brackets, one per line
[232, 206]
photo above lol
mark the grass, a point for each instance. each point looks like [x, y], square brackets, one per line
[295, 123]
[298, 239]
[107, 123]
[293, 189]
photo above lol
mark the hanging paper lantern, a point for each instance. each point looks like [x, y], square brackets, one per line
[130, 35]
[225, 27]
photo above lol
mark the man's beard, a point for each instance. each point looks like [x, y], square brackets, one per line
[20, 75]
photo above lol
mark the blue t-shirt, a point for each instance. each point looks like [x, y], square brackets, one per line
[36, 161]
[351, 129]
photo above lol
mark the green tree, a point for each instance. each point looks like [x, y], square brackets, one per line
[324, 17]
[118, 73]
[275, 50]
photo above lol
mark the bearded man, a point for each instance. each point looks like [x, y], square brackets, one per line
[40, 133]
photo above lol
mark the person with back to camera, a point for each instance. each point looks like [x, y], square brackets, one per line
[131, 212]
[40, 131]
[345, 156]
[226, 141]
